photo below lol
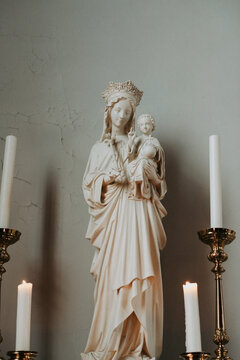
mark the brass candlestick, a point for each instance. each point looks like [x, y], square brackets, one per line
[22, 355]
[195, 356]
[7, 237]
[217, 238]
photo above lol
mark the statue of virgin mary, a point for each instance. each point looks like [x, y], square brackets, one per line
[127, 235]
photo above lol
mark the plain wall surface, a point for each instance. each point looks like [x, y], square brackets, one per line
[56, 58]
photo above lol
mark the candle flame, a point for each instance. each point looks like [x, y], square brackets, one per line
[23, 282]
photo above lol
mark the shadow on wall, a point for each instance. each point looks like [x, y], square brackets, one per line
[185, 257]
[48, 286]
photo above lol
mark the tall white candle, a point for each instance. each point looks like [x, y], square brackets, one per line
[7, 180]
[215, 181]
[23, 316]
[192, 319]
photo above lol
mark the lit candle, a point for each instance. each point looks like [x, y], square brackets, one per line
[23, 316]
[7, 180]
[215, 181]
[192, 320]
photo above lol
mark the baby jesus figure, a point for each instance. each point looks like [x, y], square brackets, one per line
[146, 168]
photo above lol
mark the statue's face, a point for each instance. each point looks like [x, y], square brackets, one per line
[121, 113]
[145, 126]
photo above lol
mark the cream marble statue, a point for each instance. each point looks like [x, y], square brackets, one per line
[123, 184]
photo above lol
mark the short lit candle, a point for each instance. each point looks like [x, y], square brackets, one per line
[215, 181]
[7, 180]
[23, 316]
[192, 319]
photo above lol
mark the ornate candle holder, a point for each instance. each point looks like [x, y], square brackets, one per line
[22, 355]
[195, 356]
[217, 238]
[7, 237]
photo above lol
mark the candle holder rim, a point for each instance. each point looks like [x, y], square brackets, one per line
[9, 236]
[22, 352]
[191, 355]
[9, 230]
[207, 235]
[216, 229]
[196, 353]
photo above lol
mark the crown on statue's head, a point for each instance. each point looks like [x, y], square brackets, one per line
[127, 89]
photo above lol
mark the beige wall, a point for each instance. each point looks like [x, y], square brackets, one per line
[56, 58]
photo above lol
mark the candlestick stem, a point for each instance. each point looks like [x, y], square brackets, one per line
[217, 238]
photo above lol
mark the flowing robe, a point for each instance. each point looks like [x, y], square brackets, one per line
[127, 236]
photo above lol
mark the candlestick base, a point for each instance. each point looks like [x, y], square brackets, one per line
[22, 355]
[195, 356]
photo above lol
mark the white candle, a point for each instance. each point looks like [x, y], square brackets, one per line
[23, 316]
[215, 181]
[192, 319]
[7, 180]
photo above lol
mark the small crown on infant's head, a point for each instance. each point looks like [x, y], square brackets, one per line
[148, 117]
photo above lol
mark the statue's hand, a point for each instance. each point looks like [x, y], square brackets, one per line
[115, 176]
[107, 179]
[121, 178]
[110, 177]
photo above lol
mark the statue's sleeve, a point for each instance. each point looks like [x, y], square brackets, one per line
[161, 170]
[160, 158]
[93, 178]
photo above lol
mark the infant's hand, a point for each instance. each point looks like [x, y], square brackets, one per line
[131, 134]
[131, 137]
